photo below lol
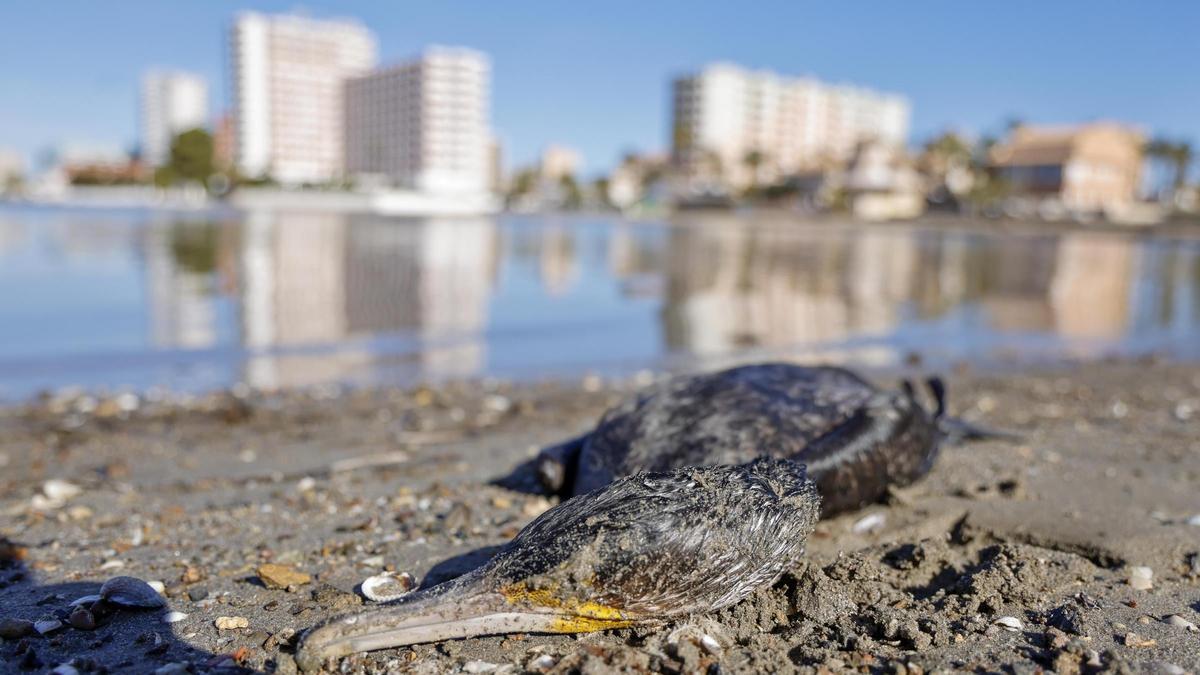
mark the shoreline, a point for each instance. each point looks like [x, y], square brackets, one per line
[339, 485]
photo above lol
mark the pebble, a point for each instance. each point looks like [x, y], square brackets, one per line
[541, 663]
[15, 629]
[47, 625]
[1137, 641]
[479, 667]
[82, 618]
[173, 669]
[197, 593]
[158, 586]
[231, 622]
[1180, 622]
[1141, 578]
[174, 617]
[1010, 623]
[65, 669]
[131, 592]
[1194, 521]
[281, 576]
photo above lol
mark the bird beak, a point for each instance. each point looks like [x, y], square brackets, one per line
[460, 608]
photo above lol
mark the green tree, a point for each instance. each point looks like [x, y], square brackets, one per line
[191, 159]
[572, 196]
[1177, 155]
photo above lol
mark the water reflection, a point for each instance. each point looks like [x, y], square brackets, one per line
[282, 299]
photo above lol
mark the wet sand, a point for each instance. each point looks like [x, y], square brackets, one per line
[1010, 557]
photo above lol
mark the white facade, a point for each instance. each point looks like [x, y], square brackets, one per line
[289, 75]
[424, 124]
[172, 102]
[735, 122]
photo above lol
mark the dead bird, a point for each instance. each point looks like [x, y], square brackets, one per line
[856, 440]
[640, 550]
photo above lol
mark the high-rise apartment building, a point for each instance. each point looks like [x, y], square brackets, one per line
[172, 102]
[739, 125]
[423, 124]
[289, 76]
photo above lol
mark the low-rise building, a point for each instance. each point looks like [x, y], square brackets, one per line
[1089, 168]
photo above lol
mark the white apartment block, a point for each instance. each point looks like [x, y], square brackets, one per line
[424, 124]
[172, 102]
[725, 117]
[289, 75]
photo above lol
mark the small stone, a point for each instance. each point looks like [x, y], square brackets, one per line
[173, 669]
[64, 669]
[197, 593]
[1141, 578]
[1010, 623]
[335, 599]
[231, 622]
[1137, 641]
[192, 575]
[47, 625]
[1180, 622]
[1194, 521]
[82, 619]
[174, 617]
[15, 629]
[541, 663]
[501, 502]
[478, 667]
[281, 576]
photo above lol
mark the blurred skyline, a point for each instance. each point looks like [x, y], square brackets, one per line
[599, 81]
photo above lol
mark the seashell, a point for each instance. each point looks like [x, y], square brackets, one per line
[131, 592]
[869, 523]
[1011, 623]
[60, 490]
[47, 625]
[85, 600]
[174, 617]
[1180, 622]
[388, 586]
[65, 669]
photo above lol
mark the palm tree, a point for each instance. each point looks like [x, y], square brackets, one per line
[1177, 155]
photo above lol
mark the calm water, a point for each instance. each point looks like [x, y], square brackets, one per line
[108, 299]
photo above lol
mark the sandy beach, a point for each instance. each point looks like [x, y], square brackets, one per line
[1014, 557]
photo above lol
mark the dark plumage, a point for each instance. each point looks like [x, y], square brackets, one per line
[644, 548]
[855, 439]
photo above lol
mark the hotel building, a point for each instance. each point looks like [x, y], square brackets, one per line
[423, 124]
[740, 126]
[289, 76]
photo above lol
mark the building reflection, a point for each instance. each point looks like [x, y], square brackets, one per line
[318, 288]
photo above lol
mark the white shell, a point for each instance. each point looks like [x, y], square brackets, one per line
[869, 523]
[174, 617]
[47, 625]
[1179, 621]
[60, 490]
[1011, 623]
[388, 586]
[131, 592]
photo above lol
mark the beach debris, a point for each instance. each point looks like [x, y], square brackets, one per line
[869, 523]
[281, 576]
[47, 625]
[15, 629]
[479, 667]
[174, 617]
[369, 461]
[1141, 578]
[131, 592]
[1010, 623]
[1180, 622]
[541, 663]
[1137, 641]
[388, 586]
[82, 619]
[231, 622]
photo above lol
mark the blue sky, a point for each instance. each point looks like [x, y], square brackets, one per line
[594, 75]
